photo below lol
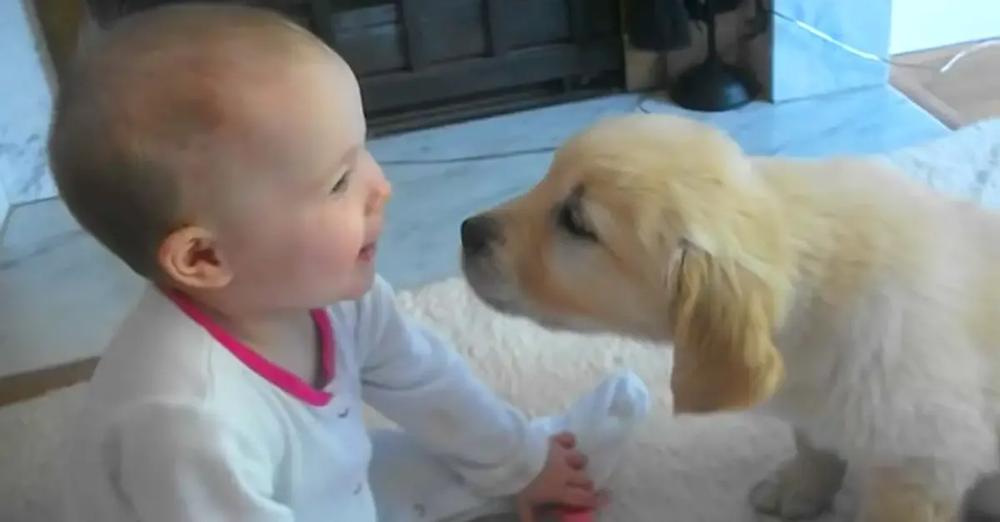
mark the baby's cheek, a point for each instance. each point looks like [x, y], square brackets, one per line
[332, 241]
[331, 251]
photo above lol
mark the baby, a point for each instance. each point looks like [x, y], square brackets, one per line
[219, 152]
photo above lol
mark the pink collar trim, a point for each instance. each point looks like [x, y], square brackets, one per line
[276, 375]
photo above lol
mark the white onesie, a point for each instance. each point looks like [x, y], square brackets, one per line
[185, 423]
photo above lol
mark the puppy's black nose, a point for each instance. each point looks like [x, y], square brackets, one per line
[477, 234]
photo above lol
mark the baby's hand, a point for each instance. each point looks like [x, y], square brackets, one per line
[562, 481]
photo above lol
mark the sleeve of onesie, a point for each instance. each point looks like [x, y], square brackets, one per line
[177, 462]
[417, 380]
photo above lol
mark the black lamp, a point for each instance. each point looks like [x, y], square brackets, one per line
[713, 85]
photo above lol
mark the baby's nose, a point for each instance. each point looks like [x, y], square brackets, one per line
[379, 195]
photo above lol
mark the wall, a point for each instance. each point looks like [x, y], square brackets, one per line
[4, 202]
[25, 106]
[804, 65]
[924, 24]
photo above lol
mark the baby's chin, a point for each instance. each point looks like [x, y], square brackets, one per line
[361, 283]
[359, 279]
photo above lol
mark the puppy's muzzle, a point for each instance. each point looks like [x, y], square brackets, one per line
[478, 233]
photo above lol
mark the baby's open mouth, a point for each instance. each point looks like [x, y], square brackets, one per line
[367, 252]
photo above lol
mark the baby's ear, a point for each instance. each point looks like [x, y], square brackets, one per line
[721, 318]
[189, 256]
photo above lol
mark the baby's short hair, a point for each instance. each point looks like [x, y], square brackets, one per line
[139, 106]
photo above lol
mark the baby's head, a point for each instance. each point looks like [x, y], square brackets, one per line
[220, 150]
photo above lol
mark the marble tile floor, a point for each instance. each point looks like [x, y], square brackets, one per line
[61, 294]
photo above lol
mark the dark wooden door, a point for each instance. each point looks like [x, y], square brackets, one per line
[422, 62]
[427, 62]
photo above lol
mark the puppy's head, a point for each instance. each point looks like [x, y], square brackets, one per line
[652, 226]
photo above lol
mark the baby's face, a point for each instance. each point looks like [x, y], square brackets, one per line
[305, 203]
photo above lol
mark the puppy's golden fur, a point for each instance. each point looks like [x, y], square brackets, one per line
[836, 294]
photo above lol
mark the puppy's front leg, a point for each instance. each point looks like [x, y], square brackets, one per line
[802, 487]
[900, 494]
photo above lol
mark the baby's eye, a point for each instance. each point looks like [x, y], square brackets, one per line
[341, 183]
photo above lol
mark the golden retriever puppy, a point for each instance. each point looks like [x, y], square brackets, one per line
[837, 295]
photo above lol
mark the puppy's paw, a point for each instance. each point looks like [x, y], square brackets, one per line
[786, 501]
[792, 494]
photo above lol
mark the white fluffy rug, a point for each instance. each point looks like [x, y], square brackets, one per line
[684, 469]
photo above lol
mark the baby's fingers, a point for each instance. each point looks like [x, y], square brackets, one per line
[565, 439]
[580, 480]
[525, 510]
[581, 498]
[576, 460]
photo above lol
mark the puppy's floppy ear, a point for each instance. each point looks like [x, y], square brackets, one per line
[721, 317]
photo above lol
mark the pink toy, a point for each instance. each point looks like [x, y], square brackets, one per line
[575, 515]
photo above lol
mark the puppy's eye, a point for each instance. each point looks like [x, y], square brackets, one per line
[571, 220]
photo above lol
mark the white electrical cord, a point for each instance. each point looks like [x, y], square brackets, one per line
[874, 57]
[981, 45]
